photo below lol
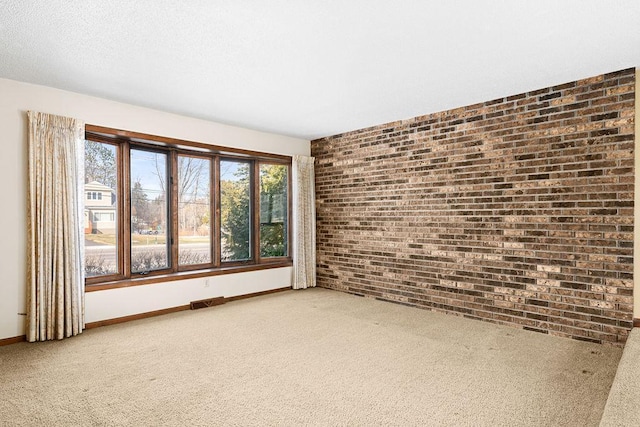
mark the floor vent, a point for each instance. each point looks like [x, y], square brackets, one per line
[210, 302]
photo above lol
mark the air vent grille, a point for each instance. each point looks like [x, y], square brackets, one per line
[210, 302]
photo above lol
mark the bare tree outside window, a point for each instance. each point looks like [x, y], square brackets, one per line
[194, 210]
[149, 231]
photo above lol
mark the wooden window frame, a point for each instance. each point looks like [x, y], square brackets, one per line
[124, 141]
[215, 248]
[170, 225]
[258, 211]
[252, 206]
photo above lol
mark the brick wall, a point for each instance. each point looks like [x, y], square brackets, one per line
[516, 211]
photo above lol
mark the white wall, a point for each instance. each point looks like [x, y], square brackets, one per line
[15, 99]
[121, 302]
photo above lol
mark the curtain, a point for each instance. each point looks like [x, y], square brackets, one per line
[55, 295]
[304, 223]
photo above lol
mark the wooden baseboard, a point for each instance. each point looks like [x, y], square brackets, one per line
[91, 325]
[256, 294]
[12, 340]
[139, 316]
[636, 323]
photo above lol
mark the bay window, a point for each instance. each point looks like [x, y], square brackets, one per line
[158, 208]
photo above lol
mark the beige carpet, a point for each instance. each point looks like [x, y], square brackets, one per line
[312, 357]
[623, 404]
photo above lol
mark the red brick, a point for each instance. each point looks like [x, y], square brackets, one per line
[514, 211]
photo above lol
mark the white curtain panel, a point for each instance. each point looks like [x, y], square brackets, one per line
[304, 222]
[55, 297]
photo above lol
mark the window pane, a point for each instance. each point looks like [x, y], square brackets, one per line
[273, 210]
[100, 225]
[194, 210]
[235, 212]
[149, 207]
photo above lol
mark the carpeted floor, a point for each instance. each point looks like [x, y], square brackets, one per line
[623, 404]
[312, 357]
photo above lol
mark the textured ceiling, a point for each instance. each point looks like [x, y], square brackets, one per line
[316, 67]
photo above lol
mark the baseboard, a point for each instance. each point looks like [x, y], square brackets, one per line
[132, 317]
[256, 294]
[636, 323]
[12, 340]
[139, 316]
